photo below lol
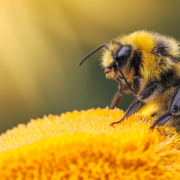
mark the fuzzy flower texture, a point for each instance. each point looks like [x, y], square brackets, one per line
[82, 145]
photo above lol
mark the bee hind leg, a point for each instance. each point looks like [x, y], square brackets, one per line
[146, 93]
[162, 119]
[174, 110]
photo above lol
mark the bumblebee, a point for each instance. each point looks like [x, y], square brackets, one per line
[147, 64]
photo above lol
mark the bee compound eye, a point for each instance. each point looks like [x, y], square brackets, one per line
[123, 53]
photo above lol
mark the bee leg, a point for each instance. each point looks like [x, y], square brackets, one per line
[146, 93]
[175, 106]
[161, 120]
[117, 98]
[119, 95]
[129, 111]
[175, 110]
[125, 88]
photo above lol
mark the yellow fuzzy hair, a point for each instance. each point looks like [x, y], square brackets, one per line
[145, 42]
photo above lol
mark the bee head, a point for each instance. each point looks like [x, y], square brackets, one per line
[114, 68]
[120, 55]
[148, 55]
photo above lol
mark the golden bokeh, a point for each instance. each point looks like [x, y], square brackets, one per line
[41, 43]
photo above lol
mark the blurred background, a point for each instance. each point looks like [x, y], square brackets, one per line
[42, 42]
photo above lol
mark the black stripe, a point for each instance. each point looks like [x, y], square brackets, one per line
[136, 85]
[135, 62]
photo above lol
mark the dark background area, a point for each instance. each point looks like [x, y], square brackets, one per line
[42, 42]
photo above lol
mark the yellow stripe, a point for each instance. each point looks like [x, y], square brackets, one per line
[148, 110]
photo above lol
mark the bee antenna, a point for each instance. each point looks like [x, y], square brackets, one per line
[105, 45]
[93, 53]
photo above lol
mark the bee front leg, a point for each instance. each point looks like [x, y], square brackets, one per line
[145, 94]
[117, 98]
[119, 95]
[132, 108]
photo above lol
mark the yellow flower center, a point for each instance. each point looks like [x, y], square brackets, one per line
[82, 145]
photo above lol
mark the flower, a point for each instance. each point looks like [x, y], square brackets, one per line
[82, 145]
